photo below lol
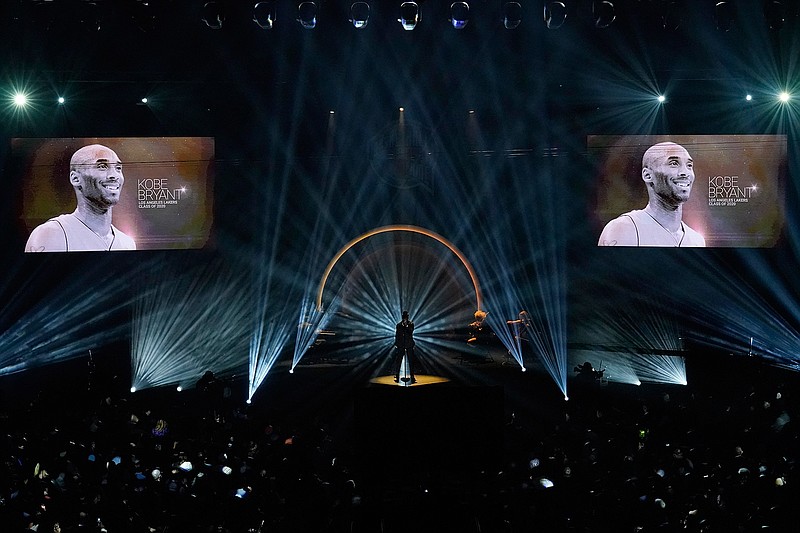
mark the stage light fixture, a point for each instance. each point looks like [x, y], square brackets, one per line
[410, 15]
[213, 15]
[20, 99]
[359, 14]
[61, 100]
[784, 96]
[307, 15]
[775, 14]
[512, 15]
[724, 15]
[459, 15]
[555, 14]
[603, 13]
[267, 339]
[264, 14]
[749, 97]
[661, 98]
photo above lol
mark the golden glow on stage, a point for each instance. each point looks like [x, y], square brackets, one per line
[422, 379]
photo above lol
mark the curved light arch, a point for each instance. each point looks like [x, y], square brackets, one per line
[393, 228]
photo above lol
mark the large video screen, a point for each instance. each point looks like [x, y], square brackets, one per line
[100, 194]
[689, 190]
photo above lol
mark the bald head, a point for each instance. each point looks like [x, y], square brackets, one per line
[88, 155]
[657, 152]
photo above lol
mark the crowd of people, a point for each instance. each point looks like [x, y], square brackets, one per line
[621, 459]
[675, 460]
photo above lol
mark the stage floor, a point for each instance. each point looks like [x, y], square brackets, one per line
[422, 379]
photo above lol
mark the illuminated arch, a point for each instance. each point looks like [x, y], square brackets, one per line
[393, 228]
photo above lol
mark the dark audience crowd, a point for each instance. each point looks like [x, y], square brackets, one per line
[611, 459]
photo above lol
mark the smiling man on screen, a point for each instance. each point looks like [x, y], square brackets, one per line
[95, 173]
[668, 174]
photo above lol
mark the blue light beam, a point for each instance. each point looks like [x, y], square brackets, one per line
[188, 322]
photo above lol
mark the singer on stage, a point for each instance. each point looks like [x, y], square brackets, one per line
[404, 344]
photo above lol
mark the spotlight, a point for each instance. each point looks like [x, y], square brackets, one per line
[359, 14]
[264, 14]
[20, 99]
[524, 369]
[603, 13]
[410, 15]
[307, 15]
[144, 100]
[213, 15]
[248, 401]
[61, 100]
[661, 98]
[179, 388]
[555, 14]
[775, 14]
[749, 97]
[512, 15]
[459, 14]
[402, 109]
[133, 389]
[724, 16]
[784, 97]
[291, 370]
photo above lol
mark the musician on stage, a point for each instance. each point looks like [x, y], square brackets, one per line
[404, 346]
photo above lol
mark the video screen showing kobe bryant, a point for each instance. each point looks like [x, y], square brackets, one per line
[106, 194]
[689, 190]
